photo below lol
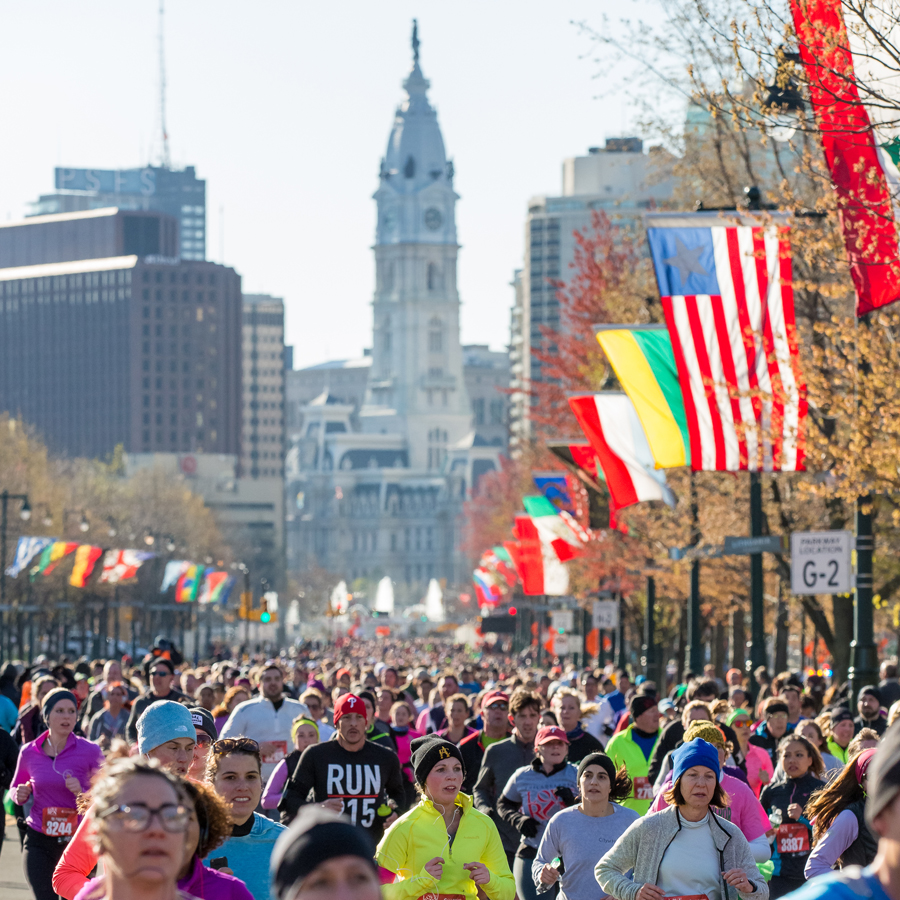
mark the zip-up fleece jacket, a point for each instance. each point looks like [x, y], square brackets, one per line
[421, 835]
[643, 845]
[623, 751]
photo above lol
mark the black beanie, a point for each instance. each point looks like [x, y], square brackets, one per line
[428, 751]
[315, 836]
[598, 759]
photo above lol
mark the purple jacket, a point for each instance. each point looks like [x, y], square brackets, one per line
[201, 882]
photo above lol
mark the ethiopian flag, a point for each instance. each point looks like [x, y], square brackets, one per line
[645, 366]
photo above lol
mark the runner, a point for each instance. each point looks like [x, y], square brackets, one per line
[703, 692]
[785, 802]
[575, 837]
[773, 728]
[495, 715]
[266, 718]
[162, 675]
[323, 857]
[533, 795]
[30, 724]
[112, 717]
[305, 733]
[504, 758]
[443, 846]
[840, 732]
[841, 834]
[633, 748]
[456, 708]
[204, 735]
[52, 771]
[234, 697]
[567, 706]
[684, 850]
[350, 774]
[757, 762]
[141, 818]
[235, 771]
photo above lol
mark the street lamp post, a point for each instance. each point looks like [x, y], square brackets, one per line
[25, 515]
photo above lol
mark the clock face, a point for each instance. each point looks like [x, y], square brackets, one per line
[433, 218]
[389, 219]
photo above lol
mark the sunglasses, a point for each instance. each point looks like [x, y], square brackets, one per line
[161, 673]
[232, 745]
[203, 739]
[499, 706]
[136, 817]
[741, 724]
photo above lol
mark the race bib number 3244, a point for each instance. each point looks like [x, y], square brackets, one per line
[58, 821]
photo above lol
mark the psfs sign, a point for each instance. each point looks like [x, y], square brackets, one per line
[107, 181]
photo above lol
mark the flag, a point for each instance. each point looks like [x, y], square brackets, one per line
[222, 591]
[539, 567]
[214, 583]
[486, 589]
[610, 422]
[51, 555]
[188, 585]
[555, 487]
[86, 557]
[26, 550]
[554, 531]
[175, 568]
[729, 307]
[505, 565]
[851, 70]
[643, 361]
[122, 565]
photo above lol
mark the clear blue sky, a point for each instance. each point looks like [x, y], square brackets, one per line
[285, 108]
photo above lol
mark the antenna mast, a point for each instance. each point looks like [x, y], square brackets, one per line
[165, 160]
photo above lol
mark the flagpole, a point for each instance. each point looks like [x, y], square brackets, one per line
[757, 608]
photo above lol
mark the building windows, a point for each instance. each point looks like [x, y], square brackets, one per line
[434, 277]
[478, 410]
[436, 335]
[497, 409]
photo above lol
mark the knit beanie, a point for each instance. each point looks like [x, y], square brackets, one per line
[694, 753]
[640, 703]
[53, 697]
[349, 703]
[598, 759]
[708, 731]
[163, 721]
[428, 751]
[315, 836]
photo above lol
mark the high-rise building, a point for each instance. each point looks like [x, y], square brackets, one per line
[262, 448]
[178, 193]
[618, 179]
[376, 488]
[104, 343]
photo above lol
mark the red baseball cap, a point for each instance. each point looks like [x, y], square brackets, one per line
[492, 697]
[349, 703]
[550, 733]
[341, 673]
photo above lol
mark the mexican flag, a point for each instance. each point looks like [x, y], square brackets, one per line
[852, 73]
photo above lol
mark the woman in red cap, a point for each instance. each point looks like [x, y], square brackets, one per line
[533, 795]
[838, 813]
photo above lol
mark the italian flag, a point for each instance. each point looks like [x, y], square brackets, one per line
[852, 74]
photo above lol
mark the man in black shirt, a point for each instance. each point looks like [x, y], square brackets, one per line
[349, 775]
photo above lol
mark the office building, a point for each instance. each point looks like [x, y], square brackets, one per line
[618, 179]
[120, 347]
[178, 193]
[262, 447]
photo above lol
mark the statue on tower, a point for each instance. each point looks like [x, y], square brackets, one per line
[415, 41]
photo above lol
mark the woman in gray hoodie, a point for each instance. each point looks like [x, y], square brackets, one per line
[686, 849]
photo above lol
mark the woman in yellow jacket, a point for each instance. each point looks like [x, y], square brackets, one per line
[443, 848]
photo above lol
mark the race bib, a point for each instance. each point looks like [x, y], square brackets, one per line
[58, 821]
[273, 751]
[686, 897]
[643, 790]
[792, 837]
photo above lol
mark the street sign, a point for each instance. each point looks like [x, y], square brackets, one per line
[561, 644]
[742, 546]
[821, 562]
[605, 614]
[562, 620]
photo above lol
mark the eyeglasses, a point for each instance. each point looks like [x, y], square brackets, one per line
[777, 717]
[136, 817]
[231, 745]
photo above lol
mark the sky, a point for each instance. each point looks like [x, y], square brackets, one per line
[285, 109]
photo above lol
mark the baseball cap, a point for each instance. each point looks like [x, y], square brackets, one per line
[493, 697]
[550, 733]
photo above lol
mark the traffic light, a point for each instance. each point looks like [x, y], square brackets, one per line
[246, 605]
[264, 615]
[513, 611]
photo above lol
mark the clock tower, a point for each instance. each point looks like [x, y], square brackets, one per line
[416, 382]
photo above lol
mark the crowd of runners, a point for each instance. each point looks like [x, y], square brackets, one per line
[421, 770]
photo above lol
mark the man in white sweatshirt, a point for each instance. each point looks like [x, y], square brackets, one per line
[267, 718]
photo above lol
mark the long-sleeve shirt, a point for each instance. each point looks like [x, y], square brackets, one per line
[78, 757]
[77, 862]
[249, 855]
[843, 832]
[579, 841]
[363, 779]
[420, 835]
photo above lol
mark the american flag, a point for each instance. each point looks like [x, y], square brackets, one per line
[727, 294]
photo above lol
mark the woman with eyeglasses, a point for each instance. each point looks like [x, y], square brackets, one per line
[785, 804]
[757, 762]
[52, 771]
[110, 721]
[234, 768]
[838, 812]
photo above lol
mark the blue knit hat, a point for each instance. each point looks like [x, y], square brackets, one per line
[164, 721]
[694, 753]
